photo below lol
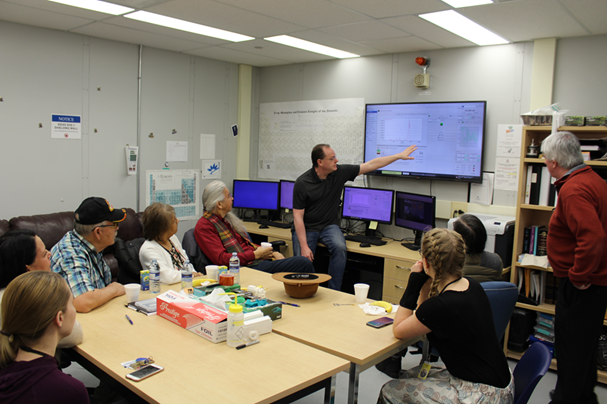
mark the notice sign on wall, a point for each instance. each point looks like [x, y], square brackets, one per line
[66, 126]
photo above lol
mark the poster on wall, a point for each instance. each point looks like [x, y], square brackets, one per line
[178, 188]
[289, 130]
[66, 126]
[211, 169]
[507, 157]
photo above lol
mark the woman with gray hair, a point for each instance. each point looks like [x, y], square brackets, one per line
[219, 233]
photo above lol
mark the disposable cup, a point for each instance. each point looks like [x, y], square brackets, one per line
[266, 244]
[212, 271]
[132, 292]
[361, 290]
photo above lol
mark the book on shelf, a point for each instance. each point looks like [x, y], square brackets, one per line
[552, 285]
[542, 237]
[532, 191]
[531, 286]
[532, 240]
[526, 237]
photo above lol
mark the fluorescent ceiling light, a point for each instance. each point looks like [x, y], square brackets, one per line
[187, 26]
[464, 27]
[96, 5]
[311, 46]
[466, 3]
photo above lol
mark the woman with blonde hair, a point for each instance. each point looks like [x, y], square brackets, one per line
[37, 312]
[159, 228]
[455, 314]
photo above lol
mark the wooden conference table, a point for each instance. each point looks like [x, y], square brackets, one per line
[338, 330]
[196, 370]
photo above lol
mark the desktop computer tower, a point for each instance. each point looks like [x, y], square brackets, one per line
[360, 268]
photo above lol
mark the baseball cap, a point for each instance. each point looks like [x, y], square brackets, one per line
[95, 210]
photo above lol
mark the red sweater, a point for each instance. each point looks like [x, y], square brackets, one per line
[211, 245]
[577, 242]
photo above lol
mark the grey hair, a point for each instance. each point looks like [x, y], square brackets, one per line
[564, 148]
[86, 229]
[213, 194]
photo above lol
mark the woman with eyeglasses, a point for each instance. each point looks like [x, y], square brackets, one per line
[455, 314]
[37, 312]
[23, 251]
[159, 229]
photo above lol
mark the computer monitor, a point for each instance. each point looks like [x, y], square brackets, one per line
[368, 204]
[416, 212]
[255, 194]
[286, 194]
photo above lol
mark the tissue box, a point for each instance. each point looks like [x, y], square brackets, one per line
[205, 321]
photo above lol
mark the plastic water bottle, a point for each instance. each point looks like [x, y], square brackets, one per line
[235, 268]
[154, 277]
[186, 275]
[235, 325]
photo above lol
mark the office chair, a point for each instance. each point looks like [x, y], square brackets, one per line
[529, 371]
[502, 298]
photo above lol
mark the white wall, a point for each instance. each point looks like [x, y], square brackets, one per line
[46, 71]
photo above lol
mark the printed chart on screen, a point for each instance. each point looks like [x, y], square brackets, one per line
[178, 188]
[289, 130]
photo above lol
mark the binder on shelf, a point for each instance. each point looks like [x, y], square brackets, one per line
[532, 239]
[552, 196]
[528, 184]
[526, 237]
[536, 178]
[545, 182]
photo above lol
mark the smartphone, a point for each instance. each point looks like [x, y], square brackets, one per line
[144, 372]
[380, 322]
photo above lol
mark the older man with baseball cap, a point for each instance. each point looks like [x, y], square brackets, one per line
[78, 255]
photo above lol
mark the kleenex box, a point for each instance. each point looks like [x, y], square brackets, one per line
[201, 319]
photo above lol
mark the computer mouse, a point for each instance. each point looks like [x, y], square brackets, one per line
[264, 226]
[364, 245]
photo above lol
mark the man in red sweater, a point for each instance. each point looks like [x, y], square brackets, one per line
[577, 252]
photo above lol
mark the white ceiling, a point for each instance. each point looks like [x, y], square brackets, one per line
[364, 27]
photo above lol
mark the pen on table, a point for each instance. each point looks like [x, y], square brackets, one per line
[247, 344]
[290, 304]
[128, 318]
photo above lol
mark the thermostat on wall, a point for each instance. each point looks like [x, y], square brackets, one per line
[132, 153]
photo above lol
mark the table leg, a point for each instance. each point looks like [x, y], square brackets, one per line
[330, 391]
[353, 385]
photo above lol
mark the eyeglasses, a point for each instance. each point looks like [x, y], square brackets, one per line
[114, 225]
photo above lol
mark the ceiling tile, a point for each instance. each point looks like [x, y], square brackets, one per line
[391, 8]
[405, 44]
[308, 13]
[277, 51]
[525, 20]
[591, 14]
[116, 33]
[223, 16]
[39, 18]
[159, 30]
[364, 31]
[428, 31]
[234, 56]
[337, 43]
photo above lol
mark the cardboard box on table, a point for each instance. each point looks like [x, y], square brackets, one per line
[201, 319]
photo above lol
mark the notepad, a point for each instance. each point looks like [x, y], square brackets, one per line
[147, 307]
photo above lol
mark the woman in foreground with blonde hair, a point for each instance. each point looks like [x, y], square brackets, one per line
[456, 315]
[37, 312]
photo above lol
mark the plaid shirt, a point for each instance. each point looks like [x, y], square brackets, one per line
[77, 261]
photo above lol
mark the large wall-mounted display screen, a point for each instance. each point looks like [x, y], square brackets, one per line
[449, 138]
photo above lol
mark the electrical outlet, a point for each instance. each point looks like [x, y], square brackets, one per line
[457, 206]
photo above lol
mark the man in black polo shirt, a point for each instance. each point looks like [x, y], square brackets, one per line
[316, 197]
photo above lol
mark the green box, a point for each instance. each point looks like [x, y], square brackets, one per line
[574, 120]
[596, 120]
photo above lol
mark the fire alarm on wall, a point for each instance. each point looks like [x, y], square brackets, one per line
[422, 80]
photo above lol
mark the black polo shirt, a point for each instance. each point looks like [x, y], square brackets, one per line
[320, 198]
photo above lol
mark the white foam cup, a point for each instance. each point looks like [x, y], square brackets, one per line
[132, 292]
[212, 271]
[361, 290]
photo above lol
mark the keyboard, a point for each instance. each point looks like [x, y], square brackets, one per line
[365, 239]
[274, 224]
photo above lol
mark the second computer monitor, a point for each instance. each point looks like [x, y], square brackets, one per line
[416, 212]
[372, 205]
[255, 194]
[286, 194]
